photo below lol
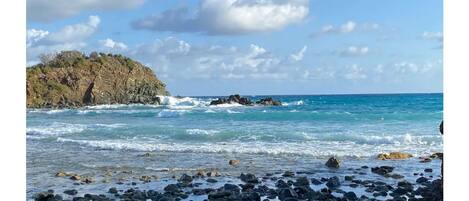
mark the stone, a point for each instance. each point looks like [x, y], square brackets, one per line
[269, 101]
[333, 182]
[425, 160]
[288, 174]
[185, 179]
[248, 178]
[382, 170]
[350, 196]
[428, 170]
[75, 177]
[438, 155]
[301, 181]
[333, 162]
[213, 174]
[112, 190]
[315, 181]
[234, 162]
[71, 192]
[394, 156]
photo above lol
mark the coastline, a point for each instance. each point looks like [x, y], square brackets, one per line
[354, 180]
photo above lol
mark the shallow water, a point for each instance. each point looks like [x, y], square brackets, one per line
[187, 134]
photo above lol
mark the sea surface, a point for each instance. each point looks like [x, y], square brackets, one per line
[187, 134]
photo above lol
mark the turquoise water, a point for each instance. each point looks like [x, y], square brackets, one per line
[187, 134]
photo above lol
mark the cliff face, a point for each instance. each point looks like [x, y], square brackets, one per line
[72, 79]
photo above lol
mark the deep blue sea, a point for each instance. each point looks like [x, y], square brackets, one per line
[187, 134]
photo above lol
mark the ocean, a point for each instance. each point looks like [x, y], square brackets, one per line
[187, 134]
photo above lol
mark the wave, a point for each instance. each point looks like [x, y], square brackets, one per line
[48, 111]
[181, 103]
[197, 131]
[57, 129]
[315, 149]
[296, 103]
[232, 112]
[167, 113]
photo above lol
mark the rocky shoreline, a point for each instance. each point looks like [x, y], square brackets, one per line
[280, 185]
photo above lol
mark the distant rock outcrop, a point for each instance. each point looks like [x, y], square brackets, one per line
[232, 99]
[72, 79]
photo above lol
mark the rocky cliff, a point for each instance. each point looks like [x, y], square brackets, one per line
[72, 79]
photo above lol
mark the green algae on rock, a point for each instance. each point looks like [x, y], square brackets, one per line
[72, 79]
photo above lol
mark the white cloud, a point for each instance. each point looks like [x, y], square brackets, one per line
[354, 51]
[51, 10]
[298, 56]
[348, 27]
[176, 59]
[109, 43]
[405, 67]
[229, 17]
[354, 72]
[70, 37]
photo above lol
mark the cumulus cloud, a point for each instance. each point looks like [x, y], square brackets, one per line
[111, 44]
[354, 51]
[51, 10]
[175, 59]
[347, 27]
[228, 17]
[70, 37]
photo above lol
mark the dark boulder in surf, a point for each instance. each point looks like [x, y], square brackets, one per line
[269, 101]
[333, 162]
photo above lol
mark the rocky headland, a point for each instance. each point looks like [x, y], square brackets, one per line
[73, 79]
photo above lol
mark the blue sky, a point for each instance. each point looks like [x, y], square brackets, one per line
[214, 47]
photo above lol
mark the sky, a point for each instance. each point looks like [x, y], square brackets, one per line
[255, 47]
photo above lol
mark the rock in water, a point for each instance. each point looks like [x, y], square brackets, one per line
[72, 79]
[234, 162]
[333, 162]
[394, 156]
[269, 101]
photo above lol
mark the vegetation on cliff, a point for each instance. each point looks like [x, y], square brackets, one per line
[72, 79]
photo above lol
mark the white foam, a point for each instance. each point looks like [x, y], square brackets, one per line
[318, 149]
[225, 105]
[48, 111]
[233, 112]
[197, 131]
[58, 128]
[300, 102]
[181, 103]
[170, 113]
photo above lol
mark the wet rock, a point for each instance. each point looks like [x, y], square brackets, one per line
[213, 174]
[282, 184]
[349, 178]
[397, 176]
[301, 181]
[71, 192]
[248, 178]
[315, 181]
[421, 180]
[172, 188]
[185, 179]
[145, 178]
[350, 196]
[394, 156]
[333, 162]
[234, 162]
[75, 177]
[428, 170]
[112, 190]
[62, 174]
[333, 182]
[232, 99]
[288, 174]
[269, 101]
[285, 193]
[382, 170]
